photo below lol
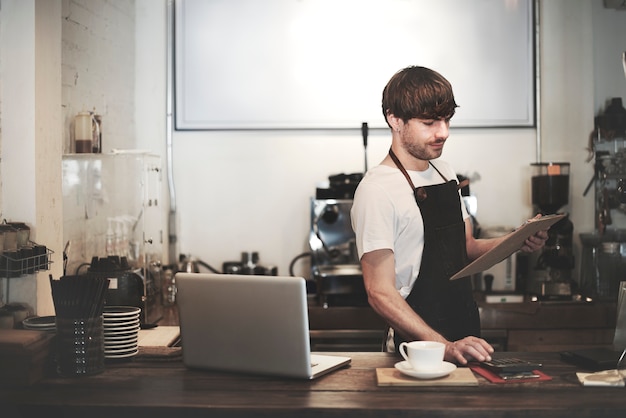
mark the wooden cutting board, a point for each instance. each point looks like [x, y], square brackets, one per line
[462, 376]
[19, 339]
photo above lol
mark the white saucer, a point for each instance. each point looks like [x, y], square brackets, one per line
[121, 350]
[406, 369]
[121, 326]
[122, 354]
[115, 319]
[127, 354]
[125, 311]
[121, 334]
[40, 322]
[125, 328]
[120, 347]
[112, 338]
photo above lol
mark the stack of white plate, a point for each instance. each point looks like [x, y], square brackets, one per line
[40, 323]
[121, 331]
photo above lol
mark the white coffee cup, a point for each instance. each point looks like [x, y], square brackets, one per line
[423, 355]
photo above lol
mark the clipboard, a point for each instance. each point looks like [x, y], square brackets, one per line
[508, 246]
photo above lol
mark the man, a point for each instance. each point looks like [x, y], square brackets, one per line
[412, 230]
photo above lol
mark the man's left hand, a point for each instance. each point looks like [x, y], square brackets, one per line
[535, 242]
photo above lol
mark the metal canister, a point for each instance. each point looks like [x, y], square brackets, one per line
[10, 237]
[22, 233]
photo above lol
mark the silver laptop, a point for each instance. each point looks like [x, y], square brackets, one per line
[248, 324]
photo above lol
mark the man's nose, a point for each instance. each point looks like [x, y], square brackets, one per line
[443, 129]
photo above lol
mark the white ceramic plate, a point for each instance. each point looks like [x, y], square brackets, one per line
[121, 328]
[112, 319]
[120, 310]
[53, 328]
[120, 349]
[121, 345]
[122, 355]
[132, 331]
[127, 333]
[40, 322]
[117, 345]
[121, 321]
[108, 345]
[118, 319]
[124, 327]
[121, 336]
[405, 368]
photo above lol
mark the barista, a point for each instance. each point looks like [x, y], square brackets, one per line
[412, 230]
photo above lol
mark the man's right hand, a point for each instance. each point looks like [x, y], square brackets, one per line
[468, 349]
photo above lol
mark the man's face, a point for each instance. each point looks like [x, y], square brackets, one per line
[424, 138]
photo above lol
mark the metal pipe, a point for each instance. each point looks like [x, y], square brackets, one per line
[172, 233]
[537, 82]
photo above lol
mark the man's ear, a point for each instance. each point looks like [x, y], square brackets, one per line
[394, 122]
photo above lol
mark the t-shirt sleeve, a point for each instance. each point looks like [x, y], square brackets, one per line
[372, 217]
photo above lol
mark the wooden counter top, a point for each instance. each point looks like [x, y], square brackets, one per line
[160, 388]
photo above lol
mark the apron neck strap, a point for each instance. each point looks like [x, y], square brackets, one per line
[398, 164]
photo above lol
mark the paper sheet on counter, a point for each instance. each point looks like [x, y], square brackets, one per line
[604, 378]
[161, 336]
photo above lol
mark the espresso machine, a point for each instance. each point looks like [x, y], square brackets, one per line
[550, 270]
[335, 267]
[603, 264]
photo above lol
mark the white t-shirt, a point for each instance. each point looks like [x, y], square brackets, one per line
[385, 215]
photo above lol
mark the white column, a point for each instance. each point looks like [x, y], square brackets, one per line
[32, 135]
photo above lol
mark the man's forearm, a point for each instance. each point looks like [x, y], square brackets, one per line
[399, 315]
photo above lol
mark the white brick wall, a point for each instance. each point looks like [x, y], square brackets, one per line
[98, 67]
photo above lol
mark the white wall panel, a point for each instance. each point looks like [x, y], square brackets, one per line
[249, 64]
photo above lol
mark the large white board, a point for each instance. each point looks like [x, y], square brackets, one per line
[322, 64]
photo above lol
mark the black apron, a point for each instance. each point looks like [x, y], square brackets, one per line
[445, 305]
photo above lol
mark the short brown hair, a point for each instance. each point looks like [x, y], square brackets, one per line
[418, 92]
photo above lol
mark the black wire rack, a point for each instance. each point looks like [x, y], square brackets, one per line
[28, 259]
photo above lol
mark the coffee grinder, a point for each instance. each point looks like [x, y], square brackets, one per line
[550, 269]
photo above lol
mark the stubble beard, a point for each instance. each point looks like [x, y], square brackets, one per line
[420, 152]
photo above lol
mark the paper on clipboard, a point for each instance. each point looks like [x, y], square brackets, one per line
[508, 246]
